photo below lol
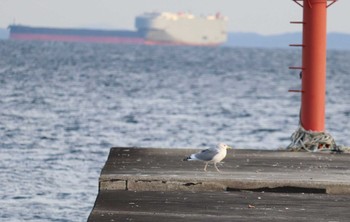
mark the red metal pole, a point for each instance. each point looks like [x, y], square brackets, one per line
[314, 65]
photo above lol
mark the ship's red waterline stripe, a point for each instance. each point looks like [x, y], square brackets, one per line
[68, 38]
[97, 39]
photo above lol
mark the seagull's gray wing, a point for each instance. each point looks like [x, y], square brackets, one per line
[206, 155]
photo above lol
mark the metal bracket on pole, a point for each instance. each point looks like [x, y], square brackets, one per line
[297, 22]
[296, 45]
[296, 67]
[332, 2]
[297, 1]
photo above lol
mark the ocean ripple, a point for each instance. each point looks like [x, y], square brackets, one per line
[63, 105]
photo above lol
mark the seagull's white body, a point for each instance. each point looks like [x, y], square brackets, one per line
[211, 155]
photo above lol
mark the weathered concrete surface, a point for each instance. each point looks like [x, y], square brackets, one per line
[156, 185]
[218, 206]
[163, 170]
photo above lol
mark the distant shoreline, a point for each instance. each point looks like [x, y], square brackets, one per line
[240, 39]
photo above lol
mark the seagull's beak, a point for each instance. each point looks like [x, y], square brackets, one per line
[229, 148]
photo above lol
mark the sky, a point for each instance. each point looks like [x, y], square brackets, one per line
[266, 17]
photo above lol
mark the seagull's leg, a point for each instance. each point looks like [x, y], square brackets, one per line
[205, 168]
[217, 168]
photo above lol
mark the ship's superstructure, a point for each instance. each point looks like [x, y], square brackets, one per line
[183, 28]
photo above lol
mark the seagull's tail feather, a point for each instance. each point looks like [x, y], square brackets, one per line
[189, 158]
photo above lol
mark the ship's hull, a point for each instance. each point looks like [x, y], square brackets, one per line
[75, 35]
[64, 38]
[152, 30]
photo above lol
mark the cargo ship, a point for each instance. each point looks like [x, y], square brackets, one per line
[163, 28]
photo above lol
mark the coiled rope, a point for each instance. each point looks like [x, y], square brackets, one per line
[310, 141]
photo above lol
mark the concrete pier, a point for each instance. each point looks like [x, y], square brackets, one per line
[147, 184]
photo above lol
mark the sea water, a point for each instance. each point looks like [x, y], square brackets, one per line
[64, 105]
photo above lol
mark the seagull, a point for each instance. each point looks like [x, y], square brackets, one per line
[214, 155]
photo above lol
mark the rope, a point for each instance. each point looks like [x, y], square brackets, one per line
[303, 140]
